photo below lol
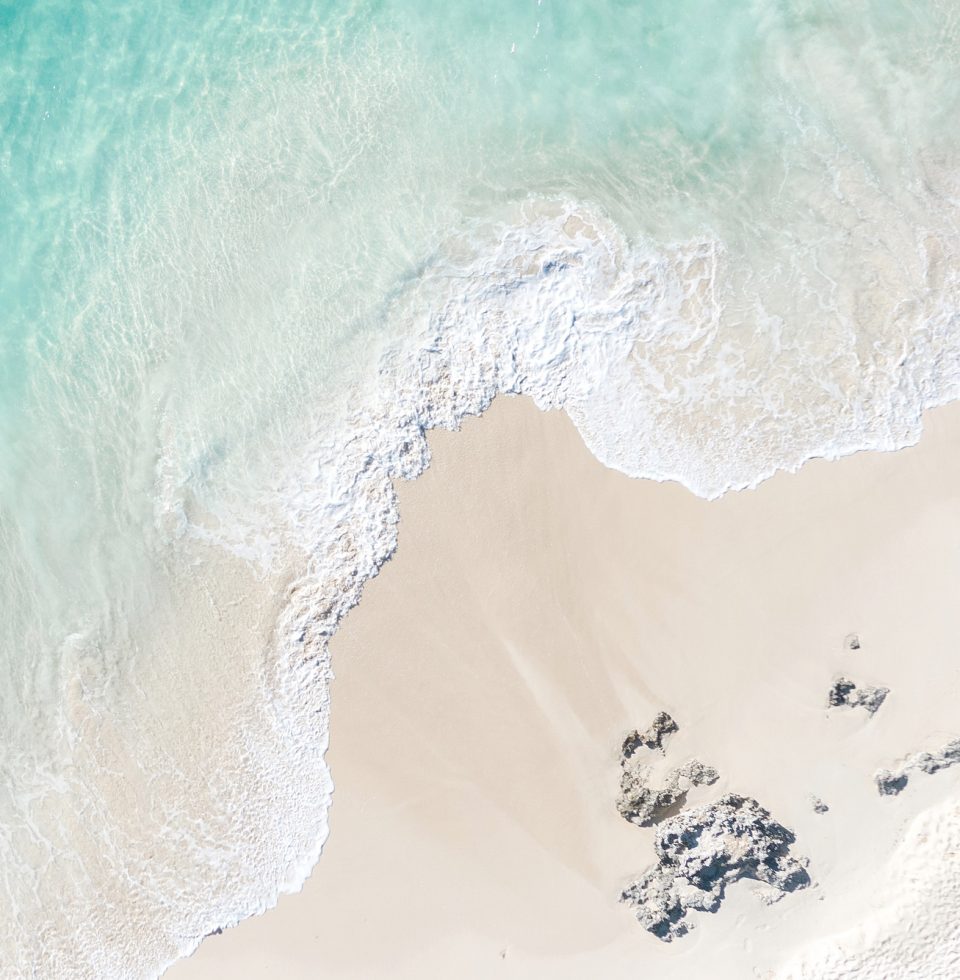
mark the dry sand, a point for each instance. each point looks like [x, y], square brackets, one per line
[538, 607]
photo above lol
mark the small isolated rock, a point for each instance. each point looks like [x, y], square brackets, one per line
[818, 805]
[701, 851]
[890, 783]
[852, 641]
[840, 693]
[846, 694]
[654, 738]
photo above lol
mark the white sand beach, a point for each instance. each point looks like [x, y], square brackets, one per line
[539, 607]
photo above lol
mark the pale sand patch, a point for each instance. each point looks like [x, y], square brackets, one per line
[538, 607]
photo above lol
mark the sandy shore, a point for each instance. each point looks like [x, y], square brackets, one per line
[539, 607]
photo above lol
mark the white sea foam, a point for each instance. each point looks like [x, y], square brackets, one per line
[634, 342]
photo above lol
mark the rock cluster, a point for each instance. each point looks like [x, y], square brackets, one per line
[646, 799]
[700, 851]
[846, 694]
[891, 783]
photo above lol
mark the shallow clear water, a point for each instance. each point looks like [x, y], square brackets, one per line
[252, 251]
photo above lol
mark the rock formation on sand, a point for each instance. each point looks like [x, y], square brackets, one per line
[646, 798]
[890, 783]
[654, 738]
[846, 694]
[818, 805]
[702, 850]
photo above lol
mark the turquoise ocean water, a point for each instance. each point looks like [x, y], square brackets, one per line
[252, 252]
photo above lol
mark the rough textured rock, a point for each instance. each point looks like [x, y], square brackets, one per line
[646, 798]
[701, 851]
[654, 738]
[645, 804]
[948, 756]
[697, 773]
[891, 783]
[818, 805]
[846, 694]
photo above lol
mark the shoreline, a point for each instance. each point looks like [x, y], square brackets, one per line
[537, 607]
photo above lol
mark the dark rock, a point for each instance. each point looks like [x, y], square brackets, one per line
[840, 693]
[846, 694]
[948, 756]
[818, 805]
[701, 851]
[890, 783]
[654, 738]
